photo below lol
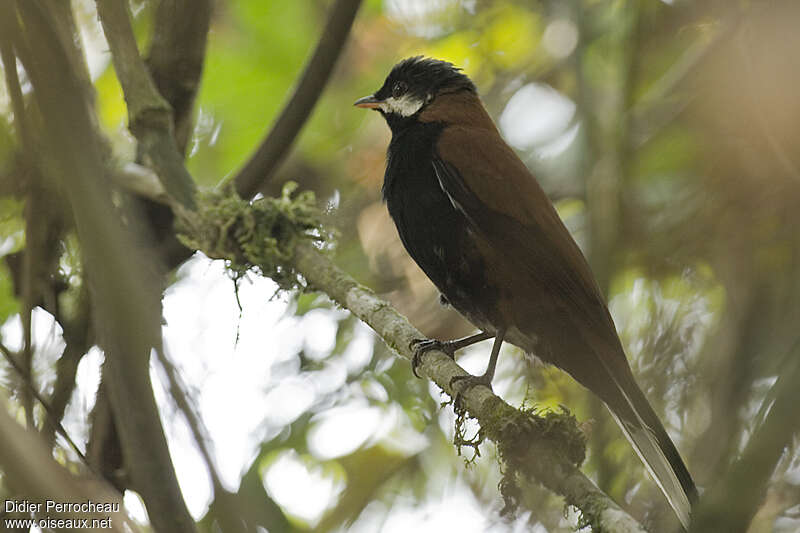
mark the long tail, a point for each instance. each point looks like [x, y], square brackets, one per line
[648, 437]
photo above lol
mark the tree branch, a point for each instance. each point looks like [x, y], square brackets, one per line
[536, 456]
[176, 55]
[175, 62]
[30, 469]
[14, 90]
[125, 300]
[26, 142]
[732, 502]
[140, 181]
[263, 163]
[150, 117]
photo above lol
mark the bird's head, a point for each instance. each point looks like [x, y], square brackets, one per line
[412, 85]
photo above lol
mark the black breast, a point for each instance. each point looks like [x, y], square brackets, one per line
[436, 235]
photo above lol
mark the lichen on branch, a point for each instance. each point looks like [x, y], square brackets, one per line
[515, 431]
[260, 235]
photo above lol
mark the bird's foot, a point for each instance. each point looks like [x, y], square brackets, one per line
[420, 346]
[469, 381]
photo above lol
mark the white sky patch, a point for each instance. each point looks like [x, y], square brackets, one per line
[229, 380]
[93, 39]
[288, 401]
[246, 390]
[560, 143]
[536, 114]
[87, 379]
[44, 332]
[320, 344]
[455, 510]
[342, 430]
[301, 489]
[193, 477]
[560, 38]
[13, 241]
[424, 18]
[330, 378]
[359, 351]
[135, 507]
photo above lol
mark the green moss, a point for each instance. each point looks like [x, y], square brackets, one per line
[590, 511]
[259, 235]
[515, 431]
[460, 438]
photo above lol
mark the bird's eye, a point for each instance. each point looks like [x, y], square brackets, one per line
[399, 89]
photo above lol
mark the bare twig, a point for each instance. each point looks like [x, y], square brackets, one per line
[9, 357]
[149, 115]
[76, 340]
[273, 149]
[179, 394]
[29, 281]
[14, 89]
[104, 449]
[230, 515]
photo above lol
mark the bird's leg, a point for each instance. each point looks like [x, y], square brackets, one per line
[488, 376]
[420, 346]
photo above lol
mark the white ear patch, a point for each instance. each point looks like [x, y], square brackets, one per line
[405, 106]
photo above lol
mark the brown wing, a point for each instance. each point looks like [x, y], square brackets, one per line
[547, 289]
[486, 180]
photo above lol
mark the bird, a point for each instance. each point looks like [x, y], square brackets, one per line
[477, 222]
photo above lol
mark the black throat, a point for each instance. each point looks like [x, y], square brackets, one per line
[409, 158]
[398, 123]
[435, 233]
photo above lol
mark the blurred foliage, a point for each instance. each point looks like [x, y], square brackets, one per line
[677, 172]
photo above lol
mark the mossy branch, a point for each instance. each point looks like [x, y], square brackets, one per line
[260, 235]
[280, 238]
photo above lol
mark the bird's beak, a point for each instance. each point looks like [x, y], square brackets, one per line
[368, 102]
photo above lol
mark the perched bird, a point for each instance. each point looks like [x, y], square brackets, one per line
[479, 225]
